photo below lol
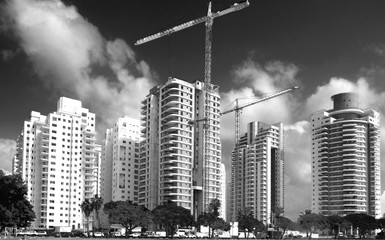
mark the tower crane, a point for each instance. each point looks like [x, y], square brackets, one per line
[208, 87]
[238, 111]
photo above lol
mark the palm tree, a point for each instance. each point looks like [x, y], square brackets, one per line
[87, 209]
[97, 203]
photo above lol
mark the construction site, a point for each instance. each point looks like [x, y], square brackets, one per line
[199, 119]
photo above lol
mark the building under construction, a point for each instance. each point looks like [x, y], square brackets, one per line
[171, 165]
[196, 160]
[258, 172]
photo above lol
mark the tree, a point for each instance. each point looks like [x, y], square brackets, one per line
[283, 223]
[220, 224]
[278, 211]
[170, 216]
[381, 225]
[309, 222]
[208, 218]
[247, 222]
[87, 209]
[260, 230]
[15, 209]
[97, 203]
[363, 222]
[129, 215]
[335, 223]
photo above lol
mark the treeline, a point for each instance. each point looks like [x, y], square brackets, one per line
[17, 212]
[169, 217]
[308, 222]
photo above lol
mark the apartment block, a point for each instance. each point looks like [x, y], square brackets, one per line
[223, 210]
[57, 158]
[172, 166]
[258, 172]
[120, 162]
[346, 158]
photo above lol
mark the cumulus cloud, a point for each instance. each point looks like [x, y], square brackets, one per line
[257, 81]
[7, 151]
[368, 95]
[299, 127]
[73, 59]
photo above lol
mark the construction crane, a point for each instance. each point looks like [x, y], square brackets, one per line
[238, 111]
[209, 20]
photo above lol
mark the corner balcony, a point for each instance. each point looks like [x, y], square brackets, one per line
[88, 143]
[172, 92]
[346, 125]
[172, 113]
[45, 146]
[90, 138]
[88, 149]
[44, 153]
[171, 88]
[89, 167]
[350, 154]
[171, 103]
[349, 145]
[45, 133]
[170, 183]
[89, 173]
[89, 157]
[348, 130]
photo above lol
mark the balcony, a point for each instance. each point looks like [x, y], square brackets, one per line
[89, 166]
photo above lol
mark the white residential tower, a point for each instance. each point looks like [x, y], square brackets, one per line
[56, 157]
[346, 158]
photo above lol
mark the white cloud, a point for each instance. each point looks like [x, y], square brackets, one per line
[298, 127]
[72, 58]
[257, 81]
[7, 151]
[368, 96]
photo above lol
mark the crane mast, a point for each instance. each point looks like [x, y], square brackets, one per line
[208, 88]
[238, 111]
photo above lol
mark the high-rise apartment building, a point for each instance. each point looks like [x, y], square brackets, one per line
[223, 209]
[346, 158]
[56, 158]
[171, 156]
[120, 162]
[258, 172]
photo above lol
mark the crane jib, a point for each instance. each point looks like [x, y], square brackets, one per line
[235, 7]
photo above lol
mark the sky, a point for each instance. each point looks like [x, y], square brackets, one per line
[85, 50]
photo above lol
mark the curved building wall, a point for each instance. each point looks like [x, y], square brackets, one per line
[345, 159]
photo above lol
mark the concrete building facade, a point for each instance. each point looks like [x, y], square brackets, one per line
[120, 162]
[223, 210]
[171, 164]
[346, 158]
[258, 172]
[56, 157]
